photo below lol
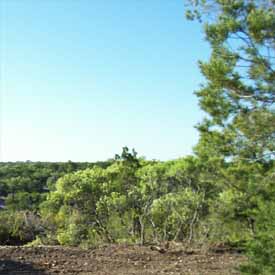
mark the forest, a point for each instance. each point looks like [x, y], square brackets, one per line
[223, 193]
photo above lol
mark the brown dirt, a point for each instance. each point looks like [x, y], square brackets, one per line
[114, 260]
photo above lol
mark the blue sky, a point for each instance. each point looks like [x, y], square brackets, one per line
[81, 79]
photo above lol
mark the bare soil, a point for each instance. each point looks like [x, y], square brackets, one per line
[115, 260]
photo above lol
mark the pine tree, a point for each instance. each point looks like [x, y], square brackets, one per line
[238, 134]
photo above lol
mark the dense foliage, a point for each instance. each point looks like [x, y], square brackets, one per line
[132, 201]
[23, 187]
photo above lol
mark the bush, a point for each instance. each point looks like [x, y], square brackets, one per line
[17, 228]
[261, 249]
[4, 228]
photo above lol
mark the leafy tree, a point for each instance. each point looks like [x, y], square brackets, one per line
[91, 201]
[174, 214]
[75, 197]
[153, 182]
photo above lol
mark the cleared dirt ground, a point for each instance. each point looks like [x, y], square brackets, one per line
[115, 260]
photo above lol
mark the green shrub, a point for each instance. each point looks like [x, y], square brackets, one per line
[261, 249]
[19, 227]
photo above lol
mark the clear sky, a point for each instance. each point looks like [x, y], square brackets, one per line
[80, 79]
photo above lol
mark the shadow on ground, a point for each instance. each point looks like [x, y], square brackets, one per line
[116, 260]
[11, 267]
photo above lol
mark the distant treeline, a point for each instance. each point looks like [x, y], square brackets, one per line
[36, 176]
[23, 184]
